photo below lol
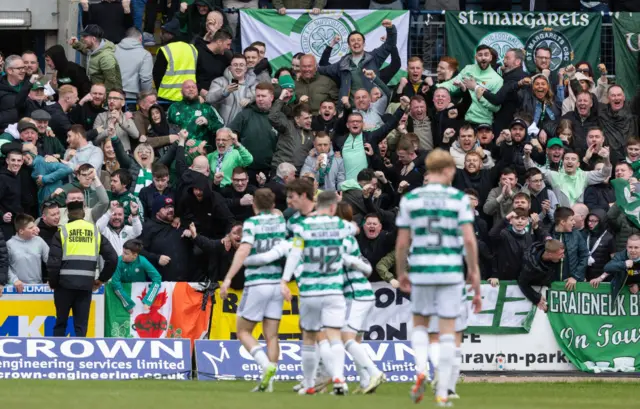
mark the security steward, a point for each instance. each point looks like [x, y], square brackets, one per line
[72, 264]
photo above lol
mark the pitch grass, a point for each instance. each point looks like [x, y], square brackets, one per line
[152, 394]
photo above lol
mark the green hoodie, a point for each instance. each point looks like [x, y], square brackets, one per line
[102, 66]
[257, 135]
[139, 270]
[480, 111]
[350, 184]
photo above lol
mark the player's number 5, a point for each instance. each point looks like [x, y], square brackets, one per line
[433, 229]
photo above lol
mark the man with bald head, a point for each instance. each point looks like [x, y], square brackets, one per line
[580, 213]
[316, 87]
[198, 118]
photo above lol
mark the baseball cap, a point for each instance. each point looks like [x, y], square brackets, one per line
[484, 126]
[520, 122]
[172, 27]
[160, 202]
[40, 115]
[24, 125]
[93, 30]
[555, 142]
[75, 205]
[37, 85]
[286, 81]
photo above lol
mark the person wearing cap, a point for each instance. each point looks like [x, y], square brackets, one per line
[102, 66]
[174, 55]
[165, 246]
[512, 149]
[551, 157]
[73, 260]
[47, 142]
[14, 87]
[231, 92]
[35, 100]
[295, 138]
[113, 16]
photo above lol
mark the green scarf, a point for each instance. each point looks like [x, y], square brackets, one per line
[145, 178]
[322, 172]
[636, 168]
[628, 202]
[571, 185]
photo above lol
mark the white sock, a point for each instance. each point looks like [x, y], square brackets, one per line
[455, 372]
[420, 344]
[309, 365]
[445, 368]
[361, 357]
[260, 356]
[337, 350]
[363, 374]
[434, 354]
[324, 353]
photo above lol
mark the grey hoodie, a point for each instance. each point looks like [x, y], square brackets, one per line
[25, 259]
[136, 67]
[228, 104]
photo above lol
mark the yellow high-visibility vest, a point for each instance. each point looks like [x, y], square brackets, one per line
[181, 66]
[80, 249]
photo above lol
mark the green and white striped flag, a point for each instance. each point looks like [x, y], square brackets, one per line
[300, 31]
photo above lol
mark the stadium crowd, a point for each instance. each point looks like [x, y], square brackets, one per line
[178, 168]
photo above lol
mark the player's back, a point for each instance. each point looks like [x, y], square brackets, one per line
[356, 284]
[322, 238]
[263, 232]
[434, 214]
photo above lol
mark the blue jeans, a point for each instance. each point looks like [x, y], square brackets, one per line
[137, 9]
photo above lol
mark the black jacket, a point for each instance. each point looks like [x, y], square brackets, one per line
[111, 17]
[606, 247]
[536, 271]
[4, 260]
[581, 127]
[67, 72]
[506, 98]
[10, 199]
[160, 238]
[209, 66]
[220, 261]
[376, 249]
[280, 190]
[60, 122]
[510, 246]
[240, 212]
[86, 115]
[73, 282]
[599, 196]
[10, 100]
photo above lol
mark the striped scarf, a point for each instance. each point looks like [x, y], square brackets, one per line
[145, 178]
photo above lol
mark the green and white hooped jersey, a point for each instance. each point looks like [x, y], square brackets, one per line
[434, 213]
[356, 285]
[263, 232]
[322, 242]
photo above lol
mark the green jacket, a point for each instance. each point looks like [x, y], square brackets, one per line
[138, 271]
[184, 114]
[257, 135]
[237, 156]
[318, 89]
[124, 199]
[481, 111]
[102, 66]
[385, 266]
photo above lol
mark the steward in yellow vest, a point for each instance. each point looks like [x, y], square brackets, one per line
[181, 59]
[73, 259]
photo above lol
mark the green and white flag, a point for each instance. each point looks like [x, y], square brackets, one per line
[626, 42]
[505, 310]
[300, 31]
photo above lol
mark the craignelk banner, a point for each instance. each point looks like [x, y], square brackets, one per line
[175, 313]
[300, 31]
[98, 359]
[597, 333]
[32, 313]
[572, 37]
[626, 41]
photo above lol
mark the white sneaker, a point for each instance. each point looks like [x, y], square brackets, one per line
[340, 388]
[148, 40]
[452, 395]
[298, 387]
[375, 382]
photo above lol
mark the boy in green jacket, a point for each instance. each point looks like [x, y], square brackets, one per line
[134, 268]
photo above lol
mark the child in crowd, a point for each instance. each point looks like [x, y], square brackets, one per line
[134, 268]
[26, 251]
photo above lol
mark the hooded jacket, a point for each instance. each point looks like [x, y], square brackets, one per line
[510, 246]
[257, 135]
[136, 67]
[193, 24]
[536, 271]
[294, 143]
[581, 126]
[528, 103]
[459, 154]
[621, 275]
[606, 245]
[618, 127]
[229, 104]
[232, 197]
[10, 199]
[67, 72]
[599, 196]
[10, 99]
[102, 66]
[598, 90]
[53, 174]
[161, 238]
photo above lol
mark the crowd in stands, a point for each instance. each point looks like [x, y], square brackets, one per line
[177, 169]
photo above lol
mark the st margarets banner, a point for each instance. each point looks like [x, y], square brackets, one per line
[626, 41]
[300, 31]
[596, 332]
[572, 36]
